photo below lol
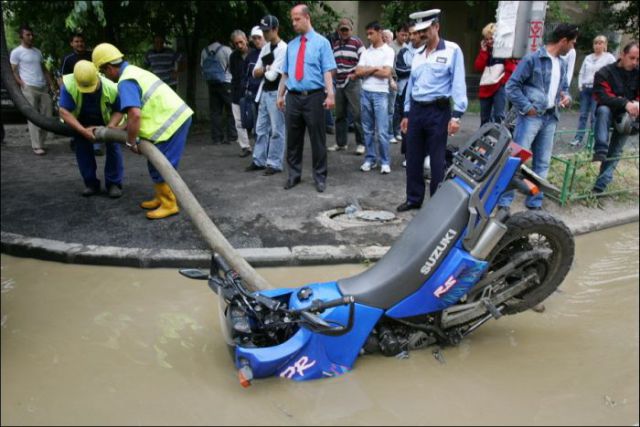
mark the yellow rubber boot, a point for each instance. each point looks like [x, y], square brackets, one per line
[153, 203]
[168, 203]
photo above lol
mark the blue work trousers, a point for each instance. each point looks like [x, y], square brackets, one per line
[172, 149]
[113, 167]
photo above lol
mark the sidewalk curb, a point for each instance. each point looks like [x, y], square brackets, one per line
[76, 253]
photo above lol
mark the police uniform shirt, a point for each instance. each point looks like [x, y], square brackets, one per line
[438, 74]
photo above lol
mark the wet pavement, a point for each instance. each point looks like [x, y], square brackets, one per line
[40, 199]
[120, 346]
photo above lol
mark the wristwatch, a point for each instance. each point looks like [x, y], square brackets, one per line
[128, 144]
[456, 119]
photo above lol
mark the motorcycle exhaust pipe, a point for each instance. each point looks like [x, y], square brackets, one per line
[489, 238]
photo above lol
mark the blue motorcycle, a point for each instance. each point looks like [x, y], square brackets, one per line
[460, 262]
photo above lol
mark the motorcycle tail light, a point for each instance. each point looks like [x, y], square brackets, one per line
[518, 151]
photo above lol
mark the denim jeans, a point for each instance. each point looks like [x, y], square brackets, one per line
[601, 129]
[375, 116]
[270, 133]
[534, 133]
[587, 110]
[492, 109]
[609, 166]
[393, 95]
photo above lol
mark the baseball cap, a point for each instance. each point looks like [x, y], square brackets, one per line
[256, 31]
[345, 23]
[269, 22]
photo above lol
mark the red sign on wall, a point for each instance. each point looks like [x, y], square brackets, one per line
[535, 34]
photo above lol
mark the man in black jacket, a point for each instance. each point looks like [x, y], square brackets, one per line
[615, 89]
[237, 66]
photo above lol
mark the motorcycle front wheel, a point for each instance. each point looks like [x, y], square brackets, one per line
[529, 231]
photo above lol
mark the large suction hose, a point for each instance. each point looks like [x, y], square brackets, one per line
[214, 238]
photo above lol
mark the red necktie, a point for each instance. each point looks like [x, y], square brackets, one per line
[300, 59]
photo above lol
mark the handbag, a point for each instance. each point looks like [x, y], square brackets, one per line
[247, 111]
[492, 75]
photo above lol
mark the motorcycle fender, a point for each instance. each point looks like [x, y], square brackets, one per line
[308, 355]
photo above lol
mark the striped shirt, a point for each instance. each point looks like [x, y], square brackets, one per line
[163, 63]
[347, 54]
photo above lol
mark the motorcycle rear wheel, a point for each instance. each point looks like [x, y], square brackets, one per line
[529, 231]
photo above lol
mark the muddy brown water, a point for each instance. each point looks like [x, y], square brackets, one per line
[85, 345]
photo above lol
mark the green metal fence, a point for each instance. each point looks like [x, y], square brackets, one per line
[574, 173]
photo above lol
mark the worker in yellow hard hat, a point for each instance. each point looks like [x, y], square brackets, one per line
[88, 100]
[154, 112]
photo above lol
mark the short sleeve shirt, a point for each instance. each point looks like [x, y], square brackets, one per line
[29, 62]
[318, 59]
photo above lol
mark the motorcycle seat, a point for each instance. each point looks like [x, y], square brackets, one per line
[397, 274]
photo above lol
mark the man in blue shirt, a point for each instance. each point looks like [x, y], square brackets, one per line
[536, 88]
[437, 77]
[85, 102]
[308, 78]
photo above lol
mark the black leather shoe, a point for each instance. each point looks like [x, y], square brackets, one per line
[291, 183]
[534, 208]
[321, 186]
[114, 192]
[253, 167]
[599, 157]
[270, 171]
[407, 206]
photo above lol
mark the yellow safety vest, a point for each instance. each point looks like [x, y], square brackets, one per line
[109, 94]
[162, 111]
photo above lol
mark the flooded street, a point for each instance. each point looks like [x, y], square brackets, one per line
[85, 345]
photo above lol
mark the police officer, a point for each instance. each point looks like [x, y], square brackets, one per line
[437, 76]
[154, 112]
[87, 100]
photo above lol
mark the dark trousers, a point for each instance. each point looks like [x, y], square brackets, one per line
[348, 96]
[220, 108]
[426, 136]
[302, 113]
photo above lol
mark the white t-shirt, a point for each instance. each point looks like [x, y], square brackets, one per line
[29, 62]
[554, 85]
[377, 57]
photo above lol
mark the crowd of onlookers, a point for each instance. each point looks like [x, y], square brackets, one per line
[403, 86]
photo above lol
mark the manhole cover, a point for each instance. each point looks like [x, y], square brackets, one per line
[380, 216]
[355, 216]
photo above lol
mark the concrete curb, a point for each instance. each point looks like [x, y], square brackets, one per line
[76, 253]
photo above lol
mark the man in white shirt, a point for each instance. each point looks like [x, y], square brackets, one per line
[268, 152]
[375, 68]
[34, 80]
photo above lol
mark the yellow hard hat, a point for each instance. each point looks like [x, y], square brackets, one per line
[86, 75]
[105, 53]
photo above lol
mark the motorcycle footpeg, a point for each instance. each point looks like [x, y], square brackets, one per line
[495, 312]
